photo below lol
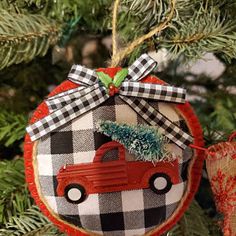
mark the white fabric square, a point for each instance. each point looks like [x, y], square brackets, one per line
[90, 206]
[175, 193]
[137, 201]
[83, 122]
[168, 111]
[83, 157]
[44, 164]
[52, 203]
[134, 232]
[176, 151]
[125, 114]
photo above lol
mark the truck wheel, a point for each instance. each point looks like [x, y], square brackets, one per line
[160, 183]
[75, 193]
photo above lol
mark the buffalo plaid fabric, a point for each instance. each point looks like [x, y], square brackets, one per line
[122, 213]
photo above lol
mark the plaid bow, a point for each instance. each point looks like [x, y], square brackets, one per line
[68, 105]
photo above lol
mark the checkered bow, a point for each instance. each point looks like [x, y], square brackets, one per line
[68, 105]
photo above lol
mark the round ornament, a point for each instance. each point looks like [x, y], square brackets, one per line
[108, 152]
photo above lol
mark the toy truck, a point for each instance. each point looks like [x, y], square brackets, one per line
[77, 181]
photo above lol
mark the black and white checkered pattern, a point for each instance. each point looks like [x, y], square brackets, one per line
[82, 75]
[141, 67]
[155, 118]
[123, 213]
[153, 91]
[67, 113]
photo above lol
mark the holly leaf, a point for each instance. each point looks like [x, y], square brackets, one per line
[104, 78]
[120, 77]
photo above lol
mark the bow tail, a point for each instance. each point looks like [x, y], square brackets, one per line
[67, 113]
[153, 91]
[154, 117]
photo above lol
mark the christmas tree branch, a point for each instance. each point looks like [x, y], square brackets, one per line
[12, 127]
[23, 37]
[18, 215]
[14, 196]
[29, 223]
[205, 31]
[195, 223]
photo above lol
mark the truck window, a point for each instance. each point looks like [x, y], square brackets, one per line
[111, 155]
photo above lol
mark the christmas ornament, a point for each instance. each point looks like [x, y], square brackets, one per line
[221, 168]
[90, 178]
[89, 183]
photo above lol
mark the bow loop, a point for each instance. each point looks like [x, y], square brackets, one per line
[143, 66]
[82, 75]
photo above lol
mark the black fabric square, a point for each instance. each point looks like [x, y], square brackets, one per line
[55, 185]
[160, 123]
[61, 142]
[75, 220]
[95, 97]
[82, 73]
[66, 114]
[174, 94]
[45, 125]
[144, 109]
[153, 91]
[163, 92]
[183, 126]
[168, 130]
[144, 61]
[63, 103]
[76, 108]
[178, 136]
[85, 103]
[56, 119]
[100, 139]
[141, 90]
[154, 216]
[152, 116]
[136, 70]
[136, 102]
[184, 171]
[109, 102]
[112, 221]
[35, 130]
[53, 106]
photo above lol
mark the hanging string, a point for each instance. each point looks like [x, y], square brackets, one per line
[118, 56]
[114, 25]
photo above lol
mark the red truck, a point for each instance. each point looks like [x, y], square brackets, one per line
[77, 181]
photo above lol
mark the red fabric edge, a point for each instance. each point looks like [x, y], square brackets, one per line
[193, 124]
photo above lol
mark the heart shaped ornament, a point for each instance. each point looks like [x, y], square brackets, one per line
[108, 153]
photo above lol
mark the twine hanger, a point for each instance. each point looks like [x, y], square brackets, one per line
[119, 55]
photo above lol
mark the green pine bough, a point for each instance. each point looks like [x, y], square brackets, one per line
[12, 127]
[145, 142]
[23, 37]
[18, 214]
